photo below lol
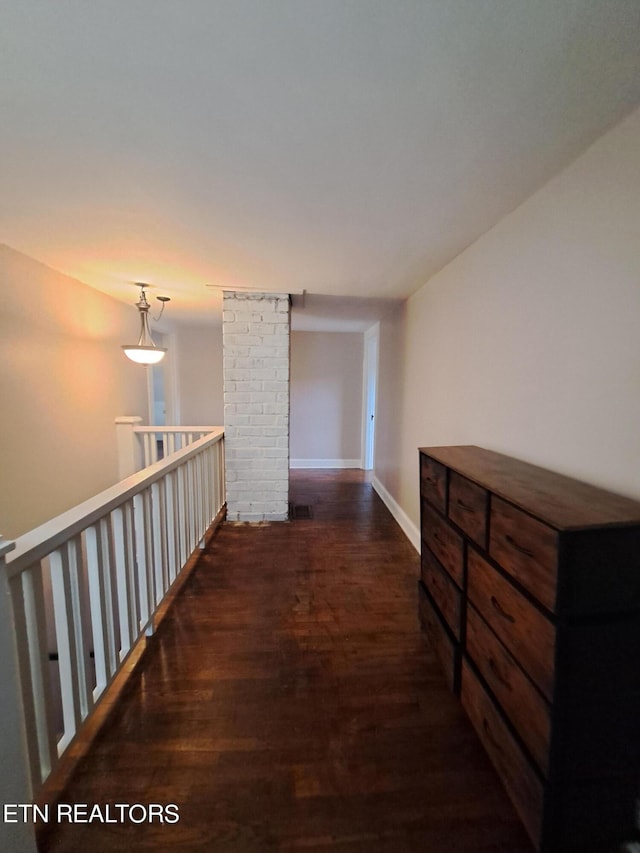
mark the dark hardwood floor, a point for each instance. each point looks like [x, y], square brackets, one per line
[289, 702]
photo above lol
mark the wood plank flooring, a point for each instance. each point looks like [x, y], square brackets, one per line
[290, 702]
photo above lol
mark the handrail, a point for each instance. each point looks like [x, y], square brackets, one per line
[190, 429]
[87, 585]
[40, 541]
[158, 442]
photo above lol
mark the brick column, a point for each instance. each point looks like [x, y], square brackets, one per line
[255, 344]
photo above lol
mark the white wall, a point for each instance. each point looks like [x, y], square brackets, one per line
[326, 399]
[198, 362]
[529, 342]
[63, 381]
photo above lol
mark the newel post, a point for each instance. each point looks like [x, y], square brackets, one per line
[15, 788]
[129, 449]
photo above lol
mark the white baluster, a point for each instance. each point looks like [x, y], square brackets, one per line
[141, 560]
[110, 593]
[67, 635]
[123, 581]
[134, 614]
[170, 527]
[183, 520]
[157, 537]
[99, 619]
[150, 557]
[31, 633]
[15, 786]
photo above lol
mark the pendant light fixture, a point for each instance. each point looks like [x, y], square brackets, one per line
[145, 351]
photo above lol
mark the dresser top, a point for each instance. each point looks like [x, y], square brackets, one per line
[560, 501]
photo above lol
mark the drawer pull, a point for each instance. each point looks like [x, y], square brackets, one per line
[464, 506]
[500, 609]
[514, 544]
[496, 671]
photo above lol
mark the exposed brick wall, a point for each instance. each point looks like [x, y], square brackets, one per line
[255, 340]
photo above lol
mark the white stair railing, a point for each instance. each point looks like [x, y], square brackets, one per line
[140, 446]
[91, 581]
[159, 442]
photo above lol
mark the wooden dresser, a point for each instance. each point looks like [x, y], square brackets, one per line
[530, 596]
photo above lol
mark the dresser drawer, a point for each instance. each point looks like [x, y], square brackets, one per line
[547, 615]
[468, 507]
[520, 700]
[433, 482]
[442, 590]
[444, 542]
[527, 634]
[445, 649]
[518, 776]
[526, 548]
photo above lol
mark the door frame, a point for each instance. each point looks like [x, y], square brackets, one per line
[370, 395]
[167, 368]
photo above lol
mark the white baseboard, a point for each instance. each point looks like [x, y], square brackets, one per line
[325, 463]
[409, 529]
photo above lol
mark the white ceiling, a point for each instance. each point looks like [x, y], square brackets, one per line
[346, 148]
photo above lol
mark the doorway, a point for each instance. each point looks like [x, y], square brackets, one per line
[371, 346]
[161, 385]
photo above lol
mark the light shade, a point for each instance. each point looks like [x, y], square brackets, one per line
[144, 355]
[145, 351]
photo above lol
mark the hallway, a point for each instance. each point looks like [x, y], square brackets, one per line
[289, 702]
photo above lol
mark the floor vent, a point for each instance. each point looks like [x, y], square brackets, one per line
[299, 511]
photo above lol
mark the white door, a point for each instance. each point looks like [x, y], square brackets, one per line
[161, 385]
[371, 340]
[158, 410]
